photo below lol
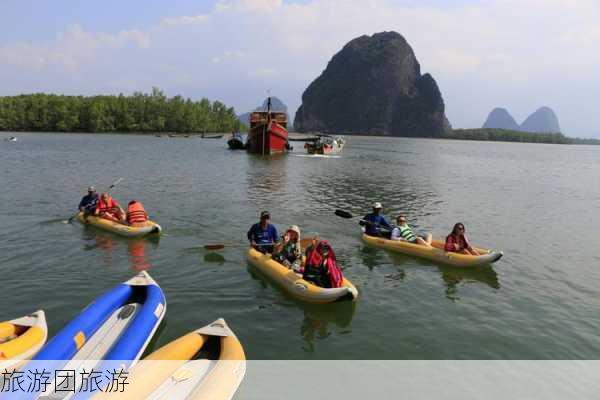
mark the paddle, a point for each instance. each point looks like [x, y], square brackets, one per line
[343, 214]
[115, 183]
[361, 222]
[221, 246]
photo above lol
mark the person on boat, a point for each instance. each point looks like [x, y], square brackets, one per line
[136, 214]
[89, 202]
[263, 235]
[288, 251]
[109, 208]
[321, 266]
[374, 221]
[457, 241]
[403, 231]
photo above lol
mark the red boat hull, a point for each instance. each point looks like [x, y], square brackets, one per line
[266, 139]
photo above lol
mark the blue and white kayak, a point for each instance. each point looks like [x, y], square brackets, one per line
[116, 326]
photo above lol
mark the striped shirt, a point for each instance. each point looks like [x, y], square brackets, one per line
[403, 232]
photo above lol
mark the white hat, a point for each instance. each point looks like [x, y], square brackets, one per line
[294, 228]
[377, 205]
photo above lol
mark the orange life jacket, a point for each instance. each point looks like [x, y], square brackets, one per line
[108, 206]
[136, 213]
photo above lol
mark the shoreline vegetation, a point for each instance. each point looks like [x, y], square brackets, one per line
[139, 113]
[505, 135]
[154, 113]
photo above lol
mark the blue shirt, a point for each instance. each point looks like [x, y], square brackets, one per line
[376, 220]
[263, 236]
[89, 202]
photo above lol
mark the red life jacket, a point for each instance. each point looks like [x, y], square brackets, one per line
[107, 207]
[136, 213]
[315, 258]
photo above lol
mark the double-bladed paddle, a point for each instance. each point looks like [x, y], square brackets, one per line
[361, 222]
[221, 246]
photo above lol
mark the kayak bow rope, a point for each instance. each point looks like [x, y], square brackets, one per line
[115, 183]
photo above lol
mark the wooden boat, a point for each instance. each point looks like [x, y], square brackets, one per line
[150, 227]
[208, 363]
[21, 339]
[236, 142]
[117, 326]
[211, 136]
[325, 145]
[435, 253]
[292, 282]
[268, 132]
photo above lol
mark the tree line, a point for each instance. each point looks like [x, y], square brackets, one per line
[505, 135]
[139, 112]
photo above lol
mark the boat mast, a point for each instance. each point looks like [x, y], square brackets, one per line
[266, 127]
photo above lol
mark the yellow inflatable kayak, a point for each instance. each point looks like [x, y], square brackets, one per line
[176, 372]
[294, 285]
[21, 339]
[435, 253]
[120, 229]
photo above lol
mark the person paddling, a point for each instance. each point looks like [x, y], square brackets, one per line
[404, 232]
[374, 221]
[457, 241]
[136, 214]
[263, 234]
[110, 209]
[89, 202]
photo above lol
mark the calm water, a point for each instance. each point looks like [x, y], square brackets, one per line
[538, 203]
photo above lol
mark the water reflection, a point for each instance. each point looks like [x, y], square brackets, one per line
[112, 247]
[265, 177]
[371, 257]
[321, 320]
[454, 276]
[212, 257]
[102, 241]
[136, 248]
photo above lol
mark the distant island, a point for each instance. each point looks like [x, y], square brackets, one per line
[543, 120]
[276, 105]
[139, 113]
[505, 135]
[374, 85]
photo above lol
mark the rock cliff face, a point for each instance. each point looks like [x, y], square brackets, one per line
[373, 86]
[276, 105]
[543, 120]
[500, 118]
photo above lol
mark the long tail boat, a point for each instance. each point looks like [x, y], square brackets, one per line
[268, 132]
[325, 144]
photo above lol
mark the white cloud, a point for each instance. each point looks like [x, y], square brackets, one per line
[517, 53]
[184, 20]
[249, 5]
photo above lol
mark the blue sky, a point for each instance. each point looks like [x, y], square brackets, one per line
[517, 54]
